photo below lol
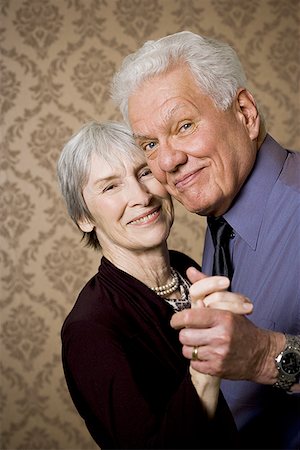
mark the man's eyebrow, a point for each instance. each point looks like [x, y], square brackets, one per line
[168, 116]
[140, 136]
[173, 110]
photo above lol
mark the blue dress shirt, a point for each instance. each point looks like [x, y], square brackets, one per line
[265, 252]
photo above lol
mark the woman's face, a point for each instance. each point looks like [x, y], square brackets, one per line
[131, 209]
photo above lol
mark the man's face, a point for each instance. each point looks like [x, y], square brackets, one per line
[200, 154]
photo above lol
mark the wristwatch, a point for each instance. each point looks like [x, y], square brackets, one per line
[288, 363]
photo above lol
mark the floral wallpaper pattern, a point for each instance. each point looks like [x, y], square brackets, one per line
[57, 61]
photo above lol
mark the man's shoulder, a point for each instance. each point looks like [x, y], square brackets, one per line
[290, 175]
[284, 159]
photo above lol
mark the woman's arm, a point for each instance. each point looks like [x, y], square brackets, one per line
[207, 386]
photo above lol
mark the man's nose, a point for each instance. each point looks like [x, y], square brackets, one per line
[170, 156]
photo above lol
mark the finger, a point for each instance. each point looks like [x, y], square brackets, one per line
[197, 353]
[206, 286]
[196, 318]
[233, 302]
[194, 274]
[237, 308]
[190, 337]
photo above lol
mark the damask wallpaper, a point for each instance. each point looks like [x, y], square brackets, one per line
[57, 61]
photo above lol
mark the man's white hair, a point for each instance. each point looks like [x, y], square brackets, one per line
[215, 66]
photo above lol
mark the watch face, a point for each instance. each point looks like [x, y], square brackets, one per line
[290, 362]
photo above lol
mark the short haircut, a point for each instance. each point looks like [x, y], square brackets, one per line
[214, 65]
[110, 140]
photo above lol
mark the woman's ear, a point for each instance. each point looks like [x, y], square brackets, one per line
[248, 109]
[85, 225]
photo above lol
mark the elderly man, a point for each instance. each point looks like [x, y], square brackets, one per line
[186, 100]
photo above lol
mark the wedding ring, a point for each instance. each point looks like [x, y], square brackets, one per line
[195, 353]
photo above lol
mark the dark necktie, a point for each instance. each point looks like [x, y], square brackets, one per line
[221, 232]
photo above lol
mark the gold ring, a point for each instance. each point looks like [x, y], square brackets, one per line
[195, 353]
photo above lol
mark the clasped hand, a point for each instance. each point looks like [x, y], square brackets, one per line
[228, 343]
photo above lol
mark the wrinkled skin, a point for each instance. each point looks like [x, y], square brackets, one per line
[203, 155]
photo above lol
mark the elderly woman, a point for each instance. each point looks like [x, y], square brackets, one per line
[123, 361]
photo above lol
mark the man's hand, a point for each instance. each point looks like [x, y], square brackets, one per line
[229, 345]
[207, 386]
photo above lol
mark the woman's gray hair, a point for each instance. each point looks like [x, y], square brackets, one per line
[110, 140]
[215, 66]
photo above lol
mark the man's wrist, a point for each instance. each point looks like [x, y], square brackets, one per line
[271, 343]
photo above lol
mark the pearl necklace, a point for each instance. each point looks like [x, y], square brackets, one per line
[166, 289]
[178, 304]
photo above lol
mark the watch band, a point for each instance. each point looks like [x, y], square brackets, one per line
[283, 383]
[288, 372]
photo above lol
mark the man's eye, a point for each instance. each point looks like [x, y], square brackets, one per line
[149, 146]
[185, 127]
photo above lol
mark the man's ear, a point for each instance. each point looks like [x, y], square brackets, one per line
[248, 109]
[85, 225]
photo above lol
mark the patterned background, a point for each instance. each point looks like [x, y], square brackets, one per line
[57, 60]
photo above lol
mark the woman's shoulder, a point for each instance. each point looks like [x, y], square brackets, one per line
[91, 303]
[182, 261]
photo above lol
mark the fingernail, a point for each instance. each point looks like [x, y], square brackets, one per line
[247, 305]
[223, 282]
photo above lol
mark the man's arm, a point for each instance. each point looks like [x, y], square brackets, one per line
[229, 345]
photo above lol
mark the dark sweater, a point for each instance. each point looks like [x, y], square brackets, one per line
[125, 369]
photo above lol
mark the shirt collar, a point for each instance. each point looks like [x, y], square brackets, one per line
[246, 214]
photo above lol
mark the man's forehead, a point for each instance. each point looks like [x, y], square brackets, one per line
[173, 109]
[159, 87]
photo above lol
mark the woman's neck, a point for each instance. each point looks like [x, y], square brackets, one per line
[151, 267]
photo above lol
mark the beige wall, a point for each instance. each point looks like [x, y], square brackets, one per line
[57, 60]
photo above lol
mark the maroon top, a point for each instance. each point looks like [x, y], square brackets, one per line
[125, 370]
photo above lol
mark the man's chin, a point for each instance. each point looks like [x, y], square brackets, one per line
[191, 207]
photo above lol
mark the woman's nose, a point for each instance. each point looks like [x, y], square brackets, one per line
[138, 194]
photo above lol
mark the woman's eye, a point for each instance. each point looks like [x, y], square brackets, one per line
[145, 172]
[110, 187]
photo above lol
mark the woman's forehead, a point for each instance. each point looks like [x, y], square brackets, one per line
[119, 158]
[116, 156]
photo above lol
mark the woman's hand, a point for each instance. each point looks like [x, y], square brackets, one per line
[212, 293]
